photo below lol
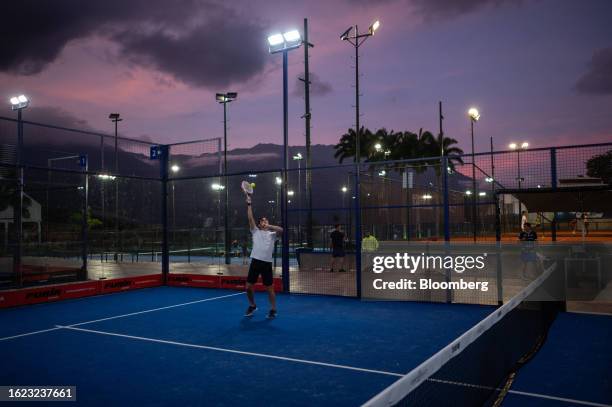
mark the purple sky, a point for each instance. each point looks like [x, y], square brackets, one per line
[539, 71]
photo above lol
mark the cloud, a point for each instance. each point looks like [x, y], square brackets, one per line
[318, 87]
[199, 42]
[442, 9]
[598, 78]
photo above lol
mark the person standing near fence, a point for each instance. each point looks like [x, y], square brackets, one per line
[337, 248]
[264, 236]
[369, 243]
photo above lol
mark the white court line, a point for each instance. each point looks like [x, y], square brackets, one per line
[239, 352]
[523, 393]
[123, 315]
[28, 334]
[544, 396]
[156, 309]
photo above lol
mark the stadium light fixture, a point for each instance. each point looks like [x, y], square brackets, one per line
[468, 192]
[382, 173]
[515, 146]
[482, 193]
[252, 175]
[524, 145]
[106, 177]
[427, 196]
[378, 146]
[290, 193]
[217, 187]
[375, 25]
[344, 189]
[489, 179]
[279, 180]
[298, 157]
[284, 42]
[19, 102]
[175, 168]
[474, 115]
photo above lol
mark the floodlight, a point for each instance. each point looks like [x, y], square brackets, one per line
[292, 36]
[175, 168]
[275, 40]
[468, 192]
[374, 27]
[217, 187]
[525, 145]
[298, 156]
[473, 113]
[378, 146]
[344, 189]
[482, 194]
[290, 193]
[19, 102]
[512, 146]
[279, 180]
[427, 196]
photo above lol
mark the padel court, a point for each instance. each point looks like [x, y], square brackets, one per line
[189, 346]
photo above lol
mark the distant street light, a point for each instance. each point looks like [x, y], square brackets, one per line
[474, 117]
[116, 118]
[298, 157]
[515, 146]
[19, 103]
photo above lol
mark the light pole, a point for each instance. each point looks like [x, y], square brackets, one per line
[356, 40]
[474, 117]
[515, 146]
[298, 157]
[115, 118]
[284, 43]
[279, 182]
[19, 103]
[224, 99]
[175, 169]
[218, 188]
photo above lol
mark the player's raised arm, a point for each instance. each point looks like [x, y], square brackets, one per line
[252, 224]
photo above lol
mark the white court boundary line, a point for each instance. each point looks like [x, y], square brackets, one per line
[523, 393]
[122, 316]
[239, 352]
[312, 362]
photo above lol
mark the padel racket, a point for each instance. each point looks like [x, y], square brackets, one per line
[247, 187]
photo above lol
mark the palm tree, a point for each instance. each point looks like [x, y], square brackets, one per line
[346, 146]
[438, 147]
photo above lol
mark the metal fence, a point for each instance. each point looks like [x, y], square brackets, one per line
[120, 212]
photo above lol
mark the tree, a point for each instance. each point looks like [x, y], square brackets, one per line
[600, 166]
[346, 146]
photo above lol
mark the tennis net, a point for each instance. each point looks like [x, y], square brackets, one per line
[477, 368]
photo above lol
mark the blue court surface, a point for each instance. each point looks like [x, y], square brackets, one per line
[191, 347]
[574, 368]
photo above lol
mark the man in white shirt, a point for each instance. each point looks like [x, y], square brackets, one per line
[264, 236]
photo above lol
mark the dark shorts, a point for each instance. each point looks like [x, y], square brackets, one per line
[338, 253]
[258, 267]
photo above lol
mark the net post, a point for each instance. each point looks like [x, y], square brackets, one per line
[553, 182]
[163, 170]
